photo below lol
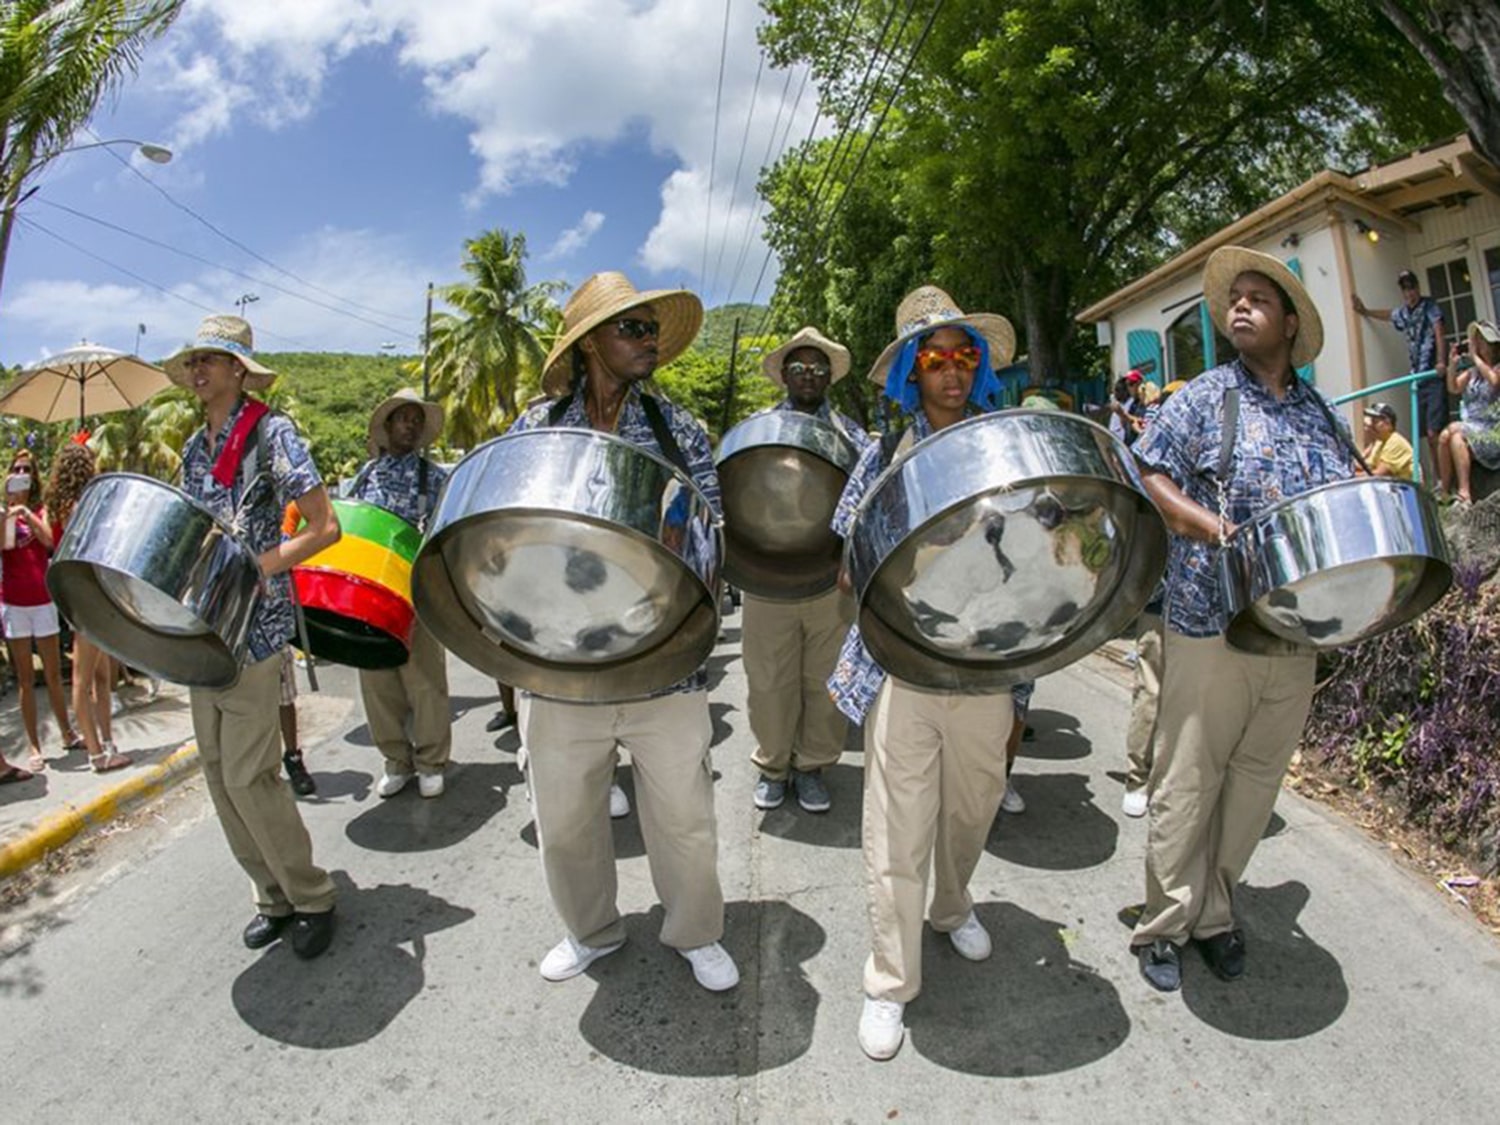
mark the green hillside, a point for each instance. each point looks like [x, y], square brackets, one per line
[718, 325]
[335, 393]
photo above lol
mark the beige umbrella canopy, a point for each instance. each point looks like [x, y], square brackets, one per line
[81, 381]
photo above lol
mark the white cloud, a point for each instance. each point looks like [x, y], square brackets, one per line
[575, 238]
[537, 83]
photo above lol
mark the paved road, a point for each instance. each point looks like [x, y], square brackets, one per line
[126, 995]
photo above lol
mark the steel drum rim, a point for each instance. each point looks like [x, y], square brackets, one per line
[780, 419]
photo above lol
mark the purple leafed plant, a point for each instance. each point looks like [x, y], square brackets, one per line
[1416, 714]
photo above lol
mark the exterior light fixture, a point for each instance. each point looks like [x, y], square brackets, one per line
[1367, 230]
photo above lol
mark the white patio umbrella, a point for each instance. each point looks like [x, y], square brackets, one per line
[87, 379]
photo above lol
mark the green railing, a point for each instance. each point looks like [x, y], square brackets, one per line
[1411, 382]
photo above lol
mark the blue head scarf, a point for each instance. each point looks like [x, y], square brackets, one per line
[901, 388]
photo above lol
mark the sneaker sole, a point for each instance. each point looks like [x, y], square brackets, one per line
[767, 806]
[580, 967]
[880, 1056]
[814, 808]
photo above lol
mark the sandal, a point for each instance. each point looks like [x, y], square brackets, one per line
[35, 762]
[75, 743]
[13, 774]
[108, 759]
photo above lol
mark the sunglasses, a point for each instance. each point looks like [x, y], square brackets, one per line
[633, 329]
[796, 369]
[965, 358]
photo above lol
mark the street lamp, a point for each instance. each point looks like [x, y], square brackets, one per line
[157, 154]
[245, 299]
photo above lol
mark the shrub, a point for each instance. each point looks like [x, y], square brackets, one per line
[1416, 713]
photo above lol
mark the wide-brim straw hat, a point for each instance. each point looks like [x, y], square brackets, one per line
[927, 309]
[432, 419]
[1228, 262]
[230, 335]
[607, 295]
[809, 337]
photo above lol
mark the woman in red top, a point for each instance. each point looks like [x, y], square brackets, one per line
[93, 674]
[29, 617]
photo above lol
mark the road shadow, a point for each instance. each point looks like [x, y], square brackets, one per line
[1274, 827]
[18, 792]
[353, 992]
[475, 792]
[1057, 737]
[1292, 987]
[717, 667]
[718, 714]
[650, 1014]
[839, 827]
[625, 831]
[336, 785]
[1061, 830]
[1029, 1010]
[458, 707]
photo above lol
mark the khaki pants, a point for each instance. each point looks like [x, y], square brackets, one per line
[239, 745]
[571, 752]
[1229, 725]
[417, 690]
[1145, 699]
[790, 649]
[934, 776]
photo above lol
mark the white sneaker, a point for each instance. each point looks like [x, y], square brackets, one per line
[971, 940]
[392, 782]
[1012, 801]
[1135, 802]
[153, 688]
[429, 784]
[568, 958]
[881, 1029]
[619, 803]
[713, 968]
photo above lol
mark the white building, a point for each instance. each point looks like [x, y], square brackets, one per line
[1436, 211]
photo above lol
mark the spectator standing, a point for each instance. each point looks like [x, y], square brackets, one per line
[1421, 321]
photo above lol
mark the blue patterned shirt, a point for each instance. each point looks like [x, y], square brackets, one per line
[841, 422]
[393, 483]
[632, 426]
[282, 454]
[1419, 325]
[1285, 447]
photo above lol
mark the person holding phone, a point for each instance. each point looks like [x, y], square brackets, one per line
[29, 617]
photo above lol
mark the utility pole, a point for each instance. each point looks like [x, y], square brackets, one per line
[140, 330]
[734, 349]
[427, 347]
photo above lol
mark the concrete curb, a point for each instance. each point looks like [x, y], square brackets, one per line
[56, 829]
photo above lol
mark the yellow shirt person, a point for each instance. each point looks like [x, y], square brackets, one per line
[1388, 453]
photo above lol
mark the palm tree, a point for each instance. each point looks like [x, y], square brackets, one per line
[493, 345]
[57, 59]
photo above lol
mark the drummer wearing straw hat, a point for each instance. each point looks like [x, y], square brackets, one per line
[614, 336]
[790, 646]
[934, 775]
[401, 480]
[1237, 439]
[245, 466]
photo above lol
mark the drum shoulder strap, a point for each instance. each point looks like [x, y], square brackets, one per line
[655, 418]
[1229, 428]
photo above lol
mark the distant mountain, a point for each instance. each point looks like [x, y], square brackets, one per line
[718, 325]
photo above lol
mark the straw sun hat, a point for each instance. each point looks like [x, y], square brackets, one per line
[432, 419]
[838, 355]
[605, 296]
[1228, 262]
[229, 335]
[928, 309]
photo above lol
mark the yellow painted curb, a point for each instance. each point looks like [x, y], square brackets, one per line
[56, 829]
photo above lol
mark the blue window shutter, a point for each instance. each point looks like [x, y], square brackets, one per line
[1206, 326]
[1307, 374]
[1143, 347]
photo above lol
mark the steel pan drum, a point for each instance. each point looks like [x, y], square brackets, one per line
[156, 580]
[356, 595]
[1334, 566]
[572, 564]
[782, 474]
[1002, 548]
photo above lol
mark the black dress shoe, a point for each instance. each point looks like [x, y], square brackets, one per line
[1161, 965]
[264, 929]
[311, 934]
[302, 783]
[1225, 954]
[501, 720]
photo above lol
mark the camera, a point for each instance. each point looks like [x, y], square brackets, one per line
[1462, 347]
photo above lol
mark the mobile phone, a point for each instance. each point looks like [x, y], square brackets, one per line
[18, 482]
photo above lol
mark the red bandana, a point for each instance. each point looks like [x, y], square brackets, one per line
[228, 462]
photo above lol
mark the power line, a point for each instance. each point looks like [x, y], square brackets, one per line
[765, 162]
[146, 281]
[219, 266]
[739, 165]
[708, 206]
[237, 244]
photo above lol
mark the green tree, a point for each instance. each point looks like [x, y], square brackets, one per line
[491, 348]
[1037, 150]
[148, 439]
[58, 58]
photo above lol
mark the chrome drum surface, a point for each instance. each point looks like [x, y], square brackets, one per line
[1335, 565]
[781, 475]
[156, 580]
[1002, 548]
[572, 564]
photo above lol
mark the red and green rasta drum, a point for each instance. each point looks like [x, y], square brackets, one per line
[356, 595]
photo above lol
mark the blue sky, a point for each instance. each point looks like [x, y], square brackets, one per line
[356, 144]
